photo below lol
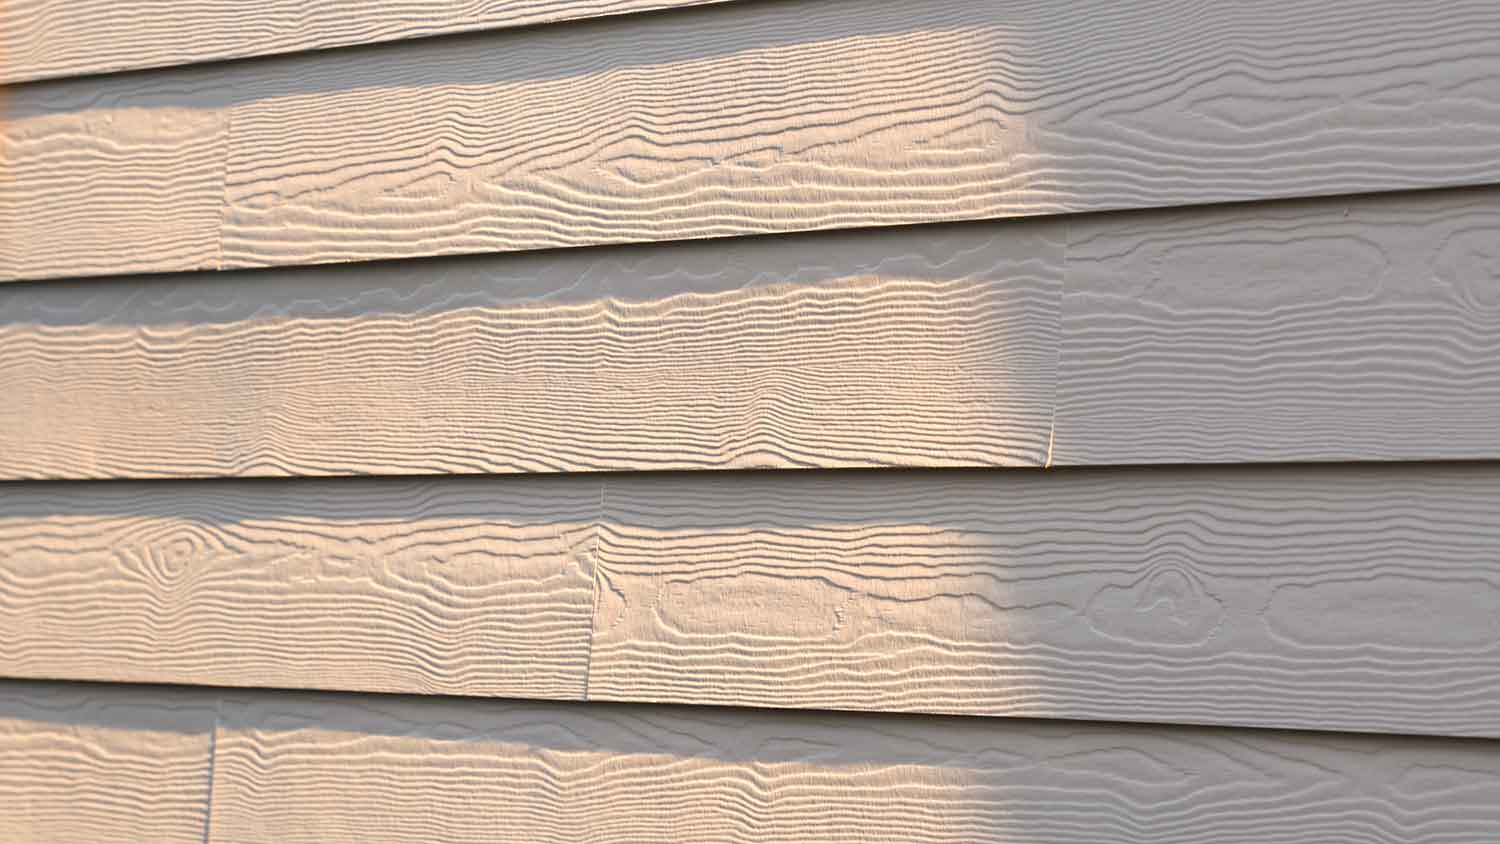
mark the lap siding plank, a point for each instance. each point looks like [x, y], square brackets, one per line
[910, 348]
[339, 769]
[745, 118]
[1351, 328]
[45, 39]
[1360, 329]
[1322, 597]
[372, 585]
[1354, 598]
[83, 764]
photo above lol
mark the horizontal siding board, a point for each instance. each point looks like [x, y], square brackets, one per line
[80, 764]
[369, 586]
[1354, 598]
[337, 769]
[1361, 329]
[914, 347]
[1350, 328]
[44, 39]
[1319, 597]
[115, 176]
[755, 118]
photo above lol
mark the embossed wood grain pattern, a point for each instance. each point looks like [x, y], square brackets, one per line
[82, 764]
[42, 39]
[766, 117]
[1324, 597]
[1362, 329]
[928, 346]
[1359, 328]
[1320, 597]
[99, 177]
[330, 769]
[371, 586]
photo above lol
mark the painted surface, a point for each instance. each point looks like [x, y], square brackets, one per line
[1206, 595]
[745, 118]
[1057, 509]
[43, 39]
[1355, 328]
[298, 767]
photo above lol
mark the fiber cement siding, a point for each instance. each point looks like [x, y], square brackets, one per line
[1121, 383]
[745, 118]
[1356, 328]
[43, 39]
[1320, 597]
[404, 771]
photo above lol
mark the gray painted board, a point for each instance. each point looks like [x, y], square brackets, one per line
[329, 769]
[745, 118]
[43, 39]
[1321, 597]
[372, 586]
[1359, 329]
[84, 764]
[1324, 597]
[911, 347]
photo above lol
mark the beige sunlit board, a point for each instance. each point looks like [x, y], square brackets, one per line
[42, 39]
[1358, 328]
[327, 769]
[81, 764]
[744, 118]
[458, 588]
[1318, 597]
[914, 347]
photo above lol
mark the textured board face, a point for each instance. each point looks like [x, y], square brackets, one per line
[81, 764]
[758, 118]
[41, 39]
[1362, 328]
[337, 770]
[1317, 597]
[1336, 598]
[1126, 378]
[368, 586]
[99, 177]
[914, 347]
[1357, 329]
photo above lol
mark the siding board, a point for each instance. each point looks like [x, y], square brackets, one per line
[1360, 329]
[43, 39]
[368, 586]
[1325, 597]
[111, 176]
[337, 769]
[758, 118]
[80, 764]
[913, 347]
[1350, 328]
[1322, 597]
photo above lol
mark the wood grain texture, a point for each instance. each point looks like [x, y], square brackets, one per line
[83, 764]
[1363, 329]
[374, 586]
[330, 769]
[1320, 597]
[918, 347]
[1339, 598]
[779, 116]
[109, 176]
[43, 39]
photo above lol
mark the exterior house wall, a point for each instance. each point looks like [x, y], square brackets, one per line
[836, 420]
